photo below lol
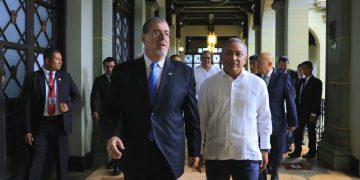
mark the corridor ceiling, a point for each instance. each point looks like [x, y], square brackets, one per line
[212, 12]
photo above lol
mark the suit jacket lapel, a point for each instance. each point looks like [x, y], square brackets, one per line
[42, 83]
[274, 75]
[142, 79]
[59, 84]
[167, 74]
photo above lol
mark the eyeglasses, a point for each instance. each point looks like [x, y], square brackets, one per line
[157, 33]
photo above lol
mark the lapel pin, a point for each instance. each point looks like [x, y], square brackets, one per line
[170, 73]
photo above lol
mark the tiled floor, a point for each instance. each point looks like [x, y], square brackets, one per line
[316, 172]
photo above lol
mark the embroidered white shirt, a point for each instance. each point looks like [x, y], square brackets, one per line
[235, 117]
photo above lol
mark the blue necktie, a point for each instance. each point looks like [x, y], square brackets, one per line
[152, 84]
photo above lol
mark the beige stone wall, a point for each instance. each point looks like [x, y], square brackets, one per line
[317, 27]
[268, 28]
[296, 39]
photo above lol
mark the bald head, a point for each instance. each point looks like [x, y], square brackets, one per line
[266, 61]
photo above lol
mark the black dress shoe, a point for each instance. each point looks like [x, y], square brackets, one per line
[309, 155]
[116, 170]
[294, 155]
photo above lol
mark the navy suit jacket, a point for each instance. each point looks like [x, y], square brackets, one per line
[127, 102]
[33, 99]
[310, 100]
[280, 89]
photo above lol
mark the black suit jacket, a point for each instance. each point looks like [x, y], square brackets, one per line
[309, 101]
[99, 89]
[33, 99]
[127, 102]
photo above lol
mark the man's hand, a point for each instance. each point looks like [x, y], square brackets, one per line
[291, 129]
[193, 162]
[95, 117]
[114, 146]
[29, 138]
[63, 107]
[312, 119]
[264, 161]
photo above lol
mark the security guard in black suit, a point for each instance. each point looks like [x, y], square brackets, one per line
[100, 86]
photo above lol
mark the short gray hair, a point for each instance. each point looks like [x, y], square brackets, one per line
[234, 40]
[150, 21]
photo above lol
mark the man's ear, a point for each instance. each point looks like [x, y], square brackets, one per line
[143, 38]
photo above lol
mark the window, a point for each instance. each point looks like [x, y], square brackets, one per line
[122, 27]
[27, 27]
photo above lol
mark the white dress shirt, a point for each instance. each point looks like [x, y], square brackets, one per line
[234, 114]
[148, 68]
[47, 77]
[201, 75]
[267, 76]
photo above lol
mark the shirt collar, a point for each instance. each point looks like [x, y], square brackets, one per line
[47, 72]
[148, 62]
[269, 73]
[241, 75]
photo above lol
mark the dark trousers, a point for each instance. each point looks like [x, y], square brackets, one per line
[299, 136]
[278, 144]
[157, 166]
[50, 138]
[237, 169]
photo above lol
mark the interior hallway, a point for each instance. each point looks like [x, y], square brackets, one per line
[314, 171]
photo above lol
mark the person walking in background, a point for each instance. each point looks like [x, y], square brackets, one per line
[98, 91]
[175, 57]
[205, 70]
[308, 101]
[253, 60]
[280, 89]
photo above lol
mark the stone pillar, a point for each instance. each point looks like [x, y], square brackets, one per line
[279, 7]
[162, 8]
[173, 49]
[151, 7]
[103, 33]
[297, 31]
[257, 39]
[139, 19]
[251, 37]
[79, 57]
[355, 86]
[335, 148]
[268, 29]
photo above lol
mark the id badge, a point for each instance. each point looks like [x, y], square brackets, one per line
[52, 100]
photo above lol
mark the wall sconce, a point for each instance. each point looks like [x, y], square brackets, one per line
[211, 41]
[181, 49]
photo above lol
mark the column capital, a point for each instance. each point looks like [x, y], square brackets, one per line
[278, 4]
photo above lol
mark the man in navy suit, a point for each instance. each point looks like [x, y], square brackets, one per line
[152, 98]
[308, 101]
[280, 90]
[49, 96]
